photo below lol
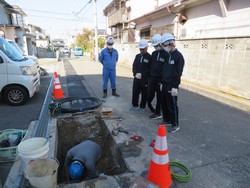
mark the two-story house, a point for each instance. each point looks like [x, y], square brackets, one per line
[12, 26]
[10, 18]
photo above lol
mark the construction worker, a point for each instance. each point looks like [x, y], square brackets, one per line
[109, 57]
[171, 79]
[159, 56]
[141, 70]
[80, 160]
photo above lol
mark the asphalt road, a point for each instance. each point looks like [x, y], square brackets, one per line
[19, 117]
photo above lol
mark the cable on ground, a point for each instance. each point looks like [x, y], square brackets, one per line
[181, 177]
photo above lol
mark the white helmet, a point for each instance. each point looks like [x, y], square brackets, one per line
[143, 44]
[156, 40]
[110, 40]
[167, 38]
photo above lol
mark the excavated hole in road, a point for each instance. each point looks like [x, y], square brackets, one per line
[73, 130]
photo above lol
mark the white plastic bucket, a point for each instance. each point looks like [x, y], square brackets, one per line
[42, 173]
[33, 148]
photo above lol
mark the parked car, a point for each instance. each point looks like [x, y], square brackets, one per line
[78, 51]
[19, 76]
[31, 57]
[67, 51]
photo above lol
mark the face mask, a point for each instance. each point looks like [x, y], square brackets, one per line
[167, 49]
[157, 48]
[110, 47]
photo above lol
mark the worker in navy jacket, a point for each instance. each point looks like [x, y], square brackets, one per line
[159, 56]
[171, 79]
[141, 72]
[109, 57]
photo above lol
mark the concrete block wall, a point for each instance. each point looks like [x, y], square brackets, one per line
[221, 63]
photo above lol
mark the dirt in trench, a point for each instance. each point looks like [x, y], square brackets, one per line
[73, 130]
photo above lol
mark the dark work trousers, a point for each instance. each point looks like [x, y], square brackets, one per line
[140, 86]
[154, 87]
[170, 110]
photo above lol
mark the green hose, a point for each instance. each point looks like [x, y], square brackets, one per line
[180, 177]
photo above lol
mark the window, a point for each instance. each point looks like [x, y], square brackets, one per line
[145, 33]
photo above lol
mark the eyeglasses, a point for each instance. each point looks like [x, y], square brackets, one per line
[143, 49]
[166, 45]
[110, 44]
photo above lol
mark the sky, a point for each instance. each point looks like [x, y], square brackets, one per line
[60, 18]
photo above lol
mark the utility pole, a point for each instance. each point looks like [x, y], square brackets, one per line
[96, 39]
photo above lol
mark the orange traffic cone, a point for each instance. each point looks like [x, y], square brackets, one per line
[159, 169]
[58, 93]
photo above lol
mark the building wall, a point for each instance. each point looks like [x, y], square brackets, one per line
[9, 32]
[220, 63]
[136, 11]
[3, 18]
[206, 20]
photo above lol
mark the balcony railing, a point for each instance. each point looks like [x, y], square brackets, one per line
[120, 16]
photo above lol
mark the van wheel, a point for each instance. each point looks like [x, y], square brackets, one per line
[16, 95]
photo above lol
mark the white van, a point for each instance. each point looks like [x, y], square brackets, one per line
[19, 76]
[33, 58]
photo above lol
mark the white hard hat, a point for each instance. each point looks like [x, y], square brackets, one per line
[167, 38]
[156, 40]
[110, 40]
[143, 43]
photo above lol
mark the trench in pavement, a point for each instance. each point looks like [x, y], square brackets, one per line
[73, 130]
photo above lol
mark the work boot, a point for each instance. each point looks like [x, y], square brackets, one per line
[114, 93]
[104, 93]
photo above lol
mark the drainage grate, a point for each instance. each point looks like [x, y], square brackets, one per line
[44, 118]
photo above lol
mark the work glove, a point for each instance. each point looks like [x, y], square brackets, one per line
[138, 75]
[160, 85]
[174, 91]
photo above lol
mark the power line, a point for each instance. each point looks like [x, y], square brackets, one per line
[84, 12]
[83, 7]
[63, 19]
[47, 11]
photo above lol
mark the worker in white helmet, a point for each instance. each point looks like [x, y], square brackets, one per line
[141, 71]
[159, 57]
[109, 57]
[171, 79]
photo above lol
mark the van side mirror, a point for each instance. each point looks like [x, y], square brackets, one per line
[1, 60]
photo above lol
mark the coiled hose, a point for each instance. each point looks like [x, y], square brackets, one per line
[180, 177]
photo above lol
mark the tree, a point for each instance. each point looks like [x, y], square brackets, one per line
[101, 42]
[85, 40]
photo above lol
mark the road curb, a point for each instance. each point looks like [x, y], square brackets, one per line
[233, 101]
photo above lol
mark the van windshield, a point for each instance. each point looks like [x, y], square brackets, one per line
[15, 46]
[78, 49]
[10, 51]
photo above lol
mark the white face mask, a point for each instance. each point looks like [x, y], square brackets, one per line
[157, 48]
[168, 49]
[110, 47]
